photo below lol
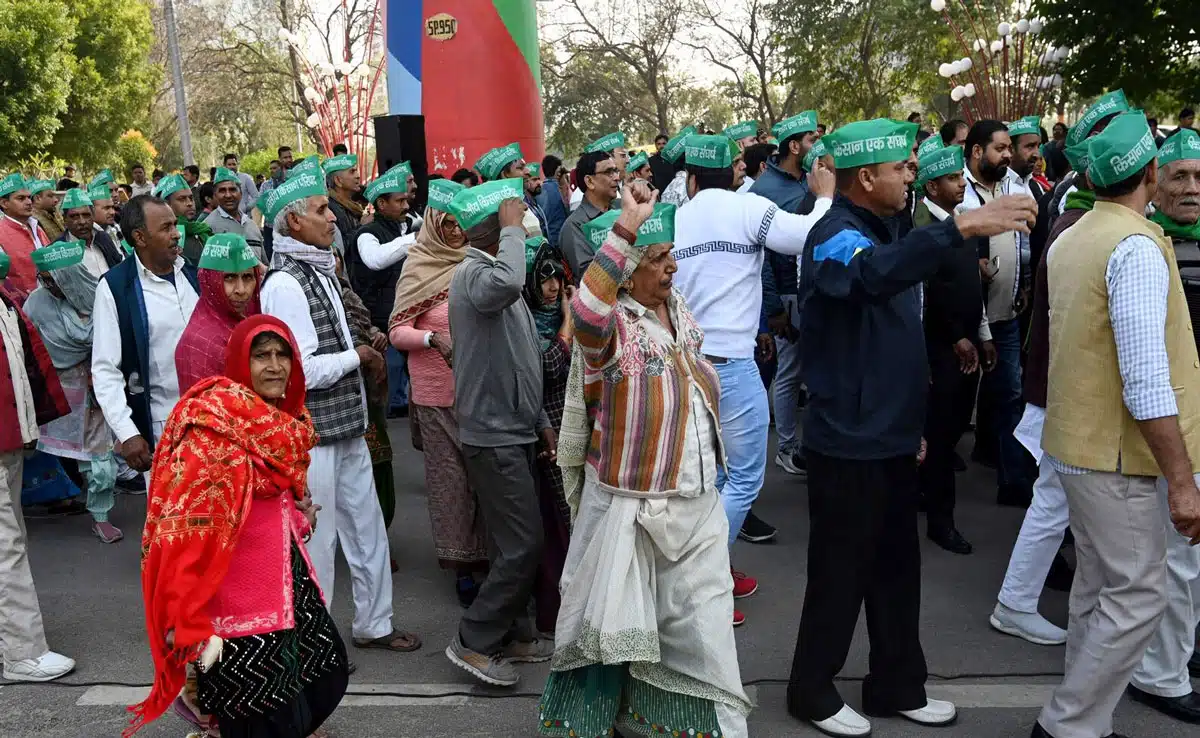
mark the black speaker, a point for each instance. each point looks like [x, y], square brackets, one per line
[402, 138]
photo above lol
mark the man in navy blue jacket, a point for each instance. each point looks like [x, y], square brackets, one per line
[865, 366]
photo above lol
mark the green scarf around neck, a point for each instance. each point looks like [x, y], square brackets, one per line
[197, 228]
[1176, 230]
[1080, 200]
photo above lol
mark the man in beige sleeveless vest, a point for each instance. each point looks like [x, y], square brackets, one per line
[1123, 407]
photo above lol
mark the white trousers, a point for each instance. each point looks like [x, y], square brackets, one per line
[1163, 670]
[340, 481]
[21, 633]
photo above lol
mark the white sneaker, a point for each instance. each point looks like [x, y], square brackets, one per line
[45, 668]
[935, 713]
[846, 722]
[1028, 625]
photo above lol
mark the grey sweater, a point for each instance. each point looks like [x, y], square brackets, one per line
[497, 356]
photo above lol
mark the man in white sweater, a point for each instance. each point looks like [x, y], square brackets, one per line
[719, 240]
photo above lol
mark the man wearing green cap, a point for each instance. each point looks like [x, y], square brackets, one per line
[104, 211]
[192, 233]
[533, 188]
[376, 253]
[228, 216]
[20, 232]
[99, 252]
[614, 144]
[863, 347]
[639, 168]
[342, 181]
[1094, 119]
[1026, 136]
[1121, 346]
[302, 289]
[598, 177]
[249, 190]
[502, 425]
[783, 180]
[501, 162]
[720, 239]
[45, 207]
[743, 133]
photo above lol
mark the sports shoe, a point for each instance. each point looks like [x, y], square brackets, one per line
[1028, 625]
[107, 532]
[756, 530]
[846, 722]
[738, 618]
[494, 669]
[45, 668]
[743, 586]
[529, 652]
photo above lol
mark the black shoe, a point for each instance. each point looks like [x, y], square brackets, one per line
[756, 530]
[1039, 731]
[957, 463]
[1194, 665]
[950, 539]
[399, 412]
[133, 486]
[1014, 495]
[1185, 708]
[1061, 574]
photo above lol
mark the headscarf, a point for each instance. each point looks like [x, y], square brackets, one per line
[65, 324]
[201, 349]
[222, 447]
[425, 282]
[543, 262]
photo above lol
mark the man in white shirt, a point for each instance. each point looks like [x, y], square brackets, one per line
[719, 241]
[140, 185]
[142, 306]
[302, 290]
[249, 189]
[99, 252]
[229, 217]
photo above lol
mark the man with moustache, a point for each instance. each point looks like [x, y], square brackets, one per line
[598, 175]
[1026, 136]
[45, 208]
[228, 216]
[193, 234]
[99, 252]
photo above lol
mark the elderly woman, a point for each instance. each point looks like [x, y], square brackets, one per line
[645, 630]
[61, 308]
[420, 325]
[227, 513]
[230, 277]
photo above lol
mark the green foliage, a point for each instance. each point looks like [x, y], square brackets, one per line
[257, 162]
[41, 166]
[132, 147]
[36, 67]
[1153, 49]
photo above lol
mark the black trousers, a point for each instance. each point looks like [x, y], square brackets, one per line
[863, 547]
[951, 394]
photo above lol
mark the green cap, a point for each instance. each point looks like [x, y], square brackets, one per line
[169, 185]
[471, 206]
[339, 163]
[229, 253]
[12, 183]
[674, 148]
[442, 192]
[104, 177]
[742, 130]
[57, 255]
[939, 163]
[5, 264]
[797, 124]
[638, 161]
[711, 152]
[608, 142]
[493, 162]
[1122, 149]
[877, 141]
[933, 143]
[1077, 156]
[76, 198]
[226, 175]
[298, 186]
[533, 168]
[1028, 124]
[658, 228]
[1183, 144]
[531, 249]
[1113, 102]
[309, 164]
[99, 192]
[393, 180]
[817, 151]
[39, 185]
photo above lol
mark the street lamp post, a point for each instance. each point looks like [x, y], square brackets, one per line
[185, 132]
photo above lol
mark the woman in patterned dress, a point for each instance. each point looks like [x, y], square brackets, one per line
[226, 580]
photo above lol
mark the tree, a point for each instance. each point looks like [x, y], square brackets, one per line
[35, 75]
[1146, 48]
[132, 148]
[113, 81]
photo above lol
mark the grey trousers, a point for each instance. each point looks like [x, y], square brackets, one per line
[21, 632]
[508, 501]
[1116, 602]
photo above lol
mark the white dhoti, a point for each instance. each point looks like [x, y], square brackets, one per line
[341, 482]
[645, 631]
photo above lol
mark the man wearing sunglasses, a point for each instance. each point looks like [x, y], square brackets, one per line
[598, 174]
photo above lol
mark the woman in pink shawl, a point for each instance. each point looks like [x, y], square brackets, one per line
[230, 280]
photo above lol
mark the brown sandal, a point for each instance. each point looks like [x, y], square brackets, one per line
[397, 640]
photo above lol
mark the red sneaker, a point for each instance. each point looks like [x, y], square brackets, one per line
[743, 586]
[738, 618]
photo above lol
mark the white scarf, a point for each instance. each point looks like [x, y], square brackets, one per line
[323, 260]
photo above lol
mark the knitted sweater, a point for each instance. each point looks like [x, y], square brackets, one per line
[432, 379]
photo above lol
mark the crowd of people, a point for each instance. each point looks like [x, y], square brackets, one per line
[590, 358]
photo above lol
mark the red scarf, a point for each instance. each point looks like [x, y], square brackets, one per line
[201, 350]
[222, 446]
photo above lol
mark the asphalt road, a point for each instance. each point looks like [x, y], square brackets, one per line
[91, 603]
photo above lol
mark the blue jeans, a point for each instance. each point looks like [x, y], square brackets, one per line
[397, 370]
[1003, 384]
[787, 382]
[745, 419]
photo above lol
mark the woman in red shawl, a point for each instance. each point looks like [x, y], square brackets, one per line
[230, 279]
[226, 580]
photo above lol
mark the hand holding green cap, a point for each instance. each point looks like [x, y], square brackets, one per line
[939, 163]
[1183, 144]
[607, 142]
[229, 253]
[471, 206]
[76, 198]
[57, 255]
[816, 152]
[442, 192]
[878, 141]
[169, 185]
[1120, 150]
[658, 228]
[795, 125]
